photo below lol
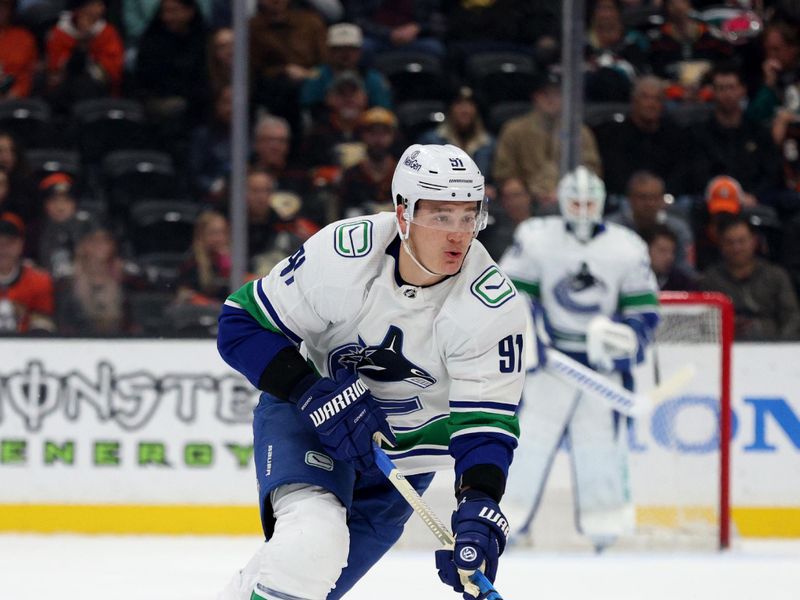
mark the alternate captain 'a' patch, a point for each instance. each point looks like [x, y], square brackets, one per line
[492, 288]
[353, 239]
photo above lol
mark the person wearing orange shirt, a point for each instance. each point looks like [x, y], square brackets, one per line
[26, 293]
[85, 54]
[18, 54]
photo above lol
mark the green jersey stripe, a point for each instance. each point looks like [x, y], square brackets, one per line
[531, 288]
[439, 432]
[637, 300]
[245, 297]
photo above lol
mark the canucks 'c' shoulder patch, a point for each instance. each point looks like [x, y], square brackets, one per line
[492, 288]
[353, 239]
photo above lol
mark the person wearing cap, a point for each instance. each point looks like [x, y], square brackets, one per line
[529, 146]
[764, 301]
[344, 54]
[334, 140]
[26, 293]
[364, 184]
[61, 226]
[723, 201]
[646, 207]
[463, 127]
[84, 53]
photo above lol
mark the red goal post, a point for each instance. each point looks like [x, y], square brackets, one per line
[715, 325]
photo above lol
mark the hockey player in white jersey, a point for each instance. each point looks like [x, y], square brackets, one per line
[591, 284]
[396, 323]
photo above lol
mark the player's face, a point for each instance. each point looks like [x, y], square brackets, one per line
[441, 234]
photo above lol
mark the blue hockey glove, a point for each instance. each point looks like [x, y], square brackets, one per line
[345, 416]
[480, 531]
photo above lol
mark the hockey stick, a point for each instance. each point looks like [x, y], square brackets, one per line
[634, 404]
[439, 529]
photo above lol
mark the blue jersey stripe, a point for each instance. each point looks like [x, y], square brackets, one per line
[274, 315]
[512, 408]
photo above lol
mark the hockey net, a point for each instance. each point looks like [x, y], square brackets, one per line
[679, 455]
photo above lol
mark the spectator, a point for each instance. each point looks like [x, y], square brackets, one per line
[614, 57]
[780, 73]
[171, 70]
[515, 25]
[723, 201]
[463, 127]
[285, 44]
[334, 142]
[26, 293]
[204, 275]
[276, 227]
[138, 14]
[685, 48]
[61, 225]
[344, 54]
[210, 151]
[514, 205]
[662, 244]
[20, 192]
[730, 143]
[764, 302]
[271, 144]
[645, 141]
[366, 187]
[93, 300]
[85, 55]
[646, 207]
[529, 147]
[389, 25]
[18, 54]
[220, 58]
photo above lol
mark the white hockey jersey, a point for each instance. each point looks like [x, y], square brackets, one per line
[576, 281]
[444, 361]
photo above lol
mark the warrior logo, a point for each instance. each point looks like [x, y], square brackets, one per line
[580, 292]
[382, 362]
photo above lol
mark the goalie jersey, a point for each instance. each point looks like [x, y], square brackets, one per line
[444, 361]
[608, 275]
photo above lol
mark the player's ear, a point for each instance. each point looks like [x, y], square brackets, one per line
[400, 214]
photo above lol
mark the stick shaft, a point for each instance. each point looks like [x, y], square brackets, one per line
[429, 517]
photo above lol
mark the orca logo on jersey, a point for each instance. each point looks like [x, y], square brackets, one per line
[345, 398]
[580, 292]
[382, 362]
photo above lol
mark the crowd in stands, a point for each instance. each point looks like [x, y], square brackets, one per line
[115, 150]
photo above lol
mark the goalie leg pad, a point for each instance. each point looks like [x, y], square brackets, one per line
[305, 555]
[546, 409]
[600, 464]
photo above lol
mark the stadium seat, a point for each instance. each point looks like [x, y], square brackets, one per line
[690, 113]
[502, 112]
[161, 269]
[602, 113]
[501, 76]
[159, 226]
[27, 119]
[190, 320]
[147, 311]
[417, 116]
[413, 75]
[108, 124]
[42, 162]
[130, 175]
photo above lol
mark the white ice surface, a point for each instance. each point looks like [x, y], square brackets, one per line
[64, 567]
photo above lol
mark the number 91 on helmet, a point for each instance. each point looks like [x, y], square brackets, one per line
[439, 173]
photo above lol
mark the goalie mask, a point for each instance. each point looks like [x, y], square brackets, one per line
[438, 173]
[581, 197]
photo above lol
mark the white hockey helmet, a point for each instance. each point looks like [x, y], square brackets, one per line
[581, 197]
[433, 172]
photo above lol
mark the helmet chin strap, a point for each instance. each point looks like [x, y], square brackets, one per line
[410, 253]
